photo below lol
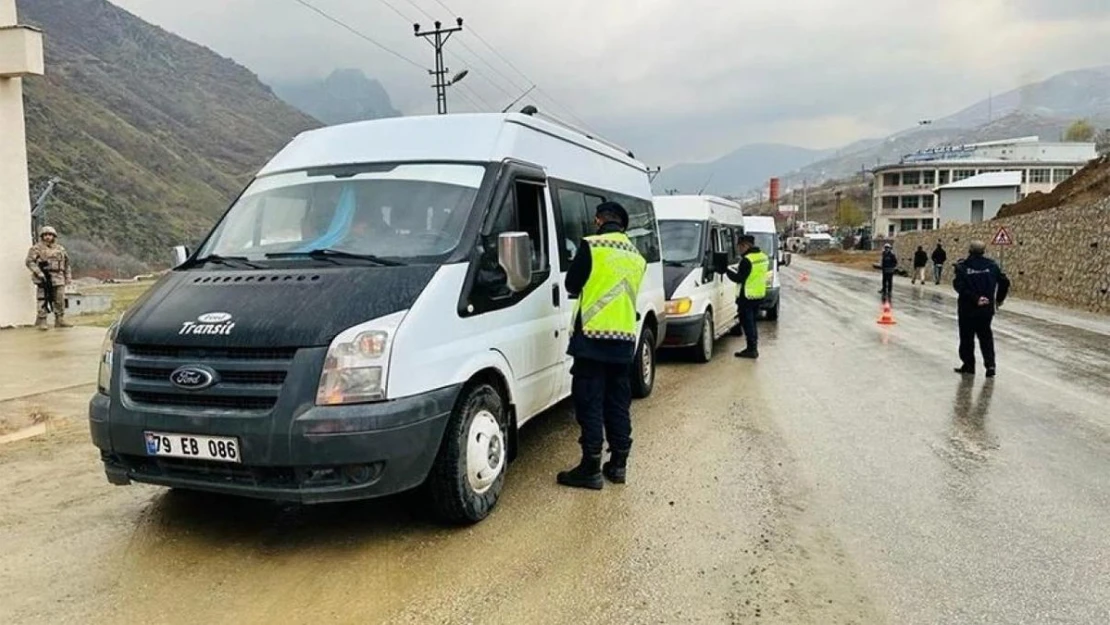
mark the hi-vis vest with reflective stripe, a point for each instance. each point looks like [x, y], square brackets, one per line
[607, 303]
[755, 287]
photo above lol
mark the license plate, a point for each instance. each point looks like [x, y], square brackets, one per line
[217, 448]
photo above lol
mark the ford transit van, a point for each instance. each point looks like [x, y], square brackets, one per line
[380, 310]
[696, 231]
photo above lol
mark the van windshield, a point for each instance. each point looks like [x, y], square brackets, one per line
[682, 241]
[766, 241]
[404, 212]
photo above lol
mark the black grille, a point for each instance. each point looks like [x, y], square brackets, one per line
[248, 380]
[272, 378]
[195, 355]
[208, 471]
[202, 401]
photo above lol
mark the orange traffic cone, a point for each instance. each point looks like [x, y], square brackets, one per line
[887, 318]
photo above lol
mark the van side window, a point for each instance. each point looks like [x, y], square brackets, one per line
[523, 210]
[575, 220]
[642, 227]
[728, 244]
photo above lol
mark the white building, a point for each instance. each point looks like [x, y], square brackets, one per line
[20, 55]
[978, 198]
[903, 198]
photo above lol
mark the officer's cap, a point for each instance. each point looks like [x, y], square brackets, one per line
[45, 230]
[615, 209]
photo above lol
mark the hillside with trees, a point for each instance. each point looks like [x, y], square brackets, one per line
[150, 134]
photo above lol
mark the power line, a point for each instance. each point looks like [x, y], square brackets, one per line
[422, 11]
[358, 33]
[566, 108]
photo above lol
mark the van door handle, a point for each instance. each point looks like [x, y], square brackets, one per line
[555, 295]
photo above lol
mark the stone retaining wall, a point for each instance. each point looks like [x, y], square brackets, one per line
[1059, 256]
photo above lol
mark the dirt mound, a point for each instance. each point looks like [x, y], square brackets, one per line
[1088, 185]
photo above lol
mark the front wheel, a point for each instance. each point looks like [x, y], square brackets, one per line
[643, 366]
[469, 471]
[703, 351]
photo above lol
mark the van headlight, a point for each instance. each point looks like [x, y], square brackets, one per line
[107, 349]
[357, 362]
[679, 306]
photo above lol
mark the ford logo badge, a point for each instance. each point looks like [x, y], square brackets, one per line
[193, 377]
[214, 317]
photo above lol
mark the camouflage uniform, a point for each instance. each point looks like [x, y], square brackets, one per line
[57, 263]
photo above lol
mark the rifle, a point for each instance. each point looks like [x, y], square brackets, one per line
[47, 287]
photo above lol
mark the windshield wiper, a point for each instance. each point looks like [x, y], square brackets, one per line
[228, 261]
[331, 255]
[676, 263]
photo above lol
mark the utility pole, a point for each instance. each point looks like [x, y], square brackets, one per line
[438, 38]
[805, 201]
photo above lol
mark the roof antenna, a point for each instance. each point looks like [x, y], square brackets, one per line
[703, 187]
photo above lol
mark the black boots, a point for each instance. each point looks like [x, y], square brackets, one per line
[616, 470]
[751, 354]
[588, 472]
[586, 475]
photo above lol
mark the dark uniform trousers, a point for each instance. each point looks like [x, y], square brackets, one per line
[749, 316]
[602, 395]
[976, 324]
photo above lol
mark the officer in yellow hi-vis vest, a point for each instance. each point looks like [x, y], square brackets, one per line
[751, 279]
[605, 275]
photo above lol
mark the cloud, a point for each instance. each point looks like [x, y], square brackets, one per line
[678, 79]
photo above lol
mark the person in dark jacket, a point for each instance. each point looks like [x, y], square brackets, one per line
[889, 265]
[939, 258]
[751, 278]
[920, 260]
[605, 277]
[982, 287]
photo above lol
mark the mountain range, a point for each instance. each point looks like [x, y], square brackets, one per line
[1044, 109]
[346, 95]
[150, 134]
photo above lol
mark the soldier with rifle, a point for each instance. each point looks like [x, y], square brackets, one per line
[49, 265]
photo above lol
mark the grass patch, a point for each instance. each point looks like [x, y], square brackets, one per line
[123, 296]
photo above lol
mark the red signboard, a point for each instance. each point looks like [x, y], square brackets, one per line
[1002, 237]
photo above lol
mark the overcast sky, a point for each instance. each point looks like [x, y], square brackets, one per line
[679, 80]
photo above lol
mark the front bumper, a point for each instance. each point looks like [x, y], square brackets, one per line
[326, 454]
[683, 331]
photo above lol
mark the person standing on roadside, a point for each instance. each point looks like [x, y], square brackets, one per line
[751, 279]
[982, 287]
[605, 275]
[48, 263]
[889, 264]
[920, 260]
[939, 258]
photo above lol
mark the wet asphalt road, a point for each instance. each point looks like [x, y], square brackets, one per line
[846, 477]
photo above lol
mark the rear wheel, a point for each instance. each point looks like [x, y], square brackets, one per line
[773, 313]
[703, 350]
[469, 471]
[643, 366]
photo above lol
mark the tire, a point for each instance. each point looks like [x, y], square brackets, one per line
[469, 471]
[773, 313]
[643, 367]
[703, 351]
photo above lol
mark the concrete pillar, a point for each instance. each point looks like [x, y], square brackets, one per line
[20, 55]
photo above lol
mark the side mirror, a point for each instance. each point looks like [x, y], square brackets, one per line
[180, 255]
[514, 254]
[720, 261]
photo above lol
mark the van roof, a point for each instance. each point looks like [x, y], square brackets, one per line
[698, 208]
[759, 223]
[478, 137]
